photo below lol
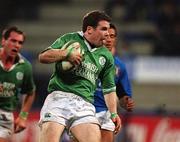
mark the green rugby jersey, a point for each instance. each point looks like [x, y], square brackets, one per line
[17, 80]
[82, 81]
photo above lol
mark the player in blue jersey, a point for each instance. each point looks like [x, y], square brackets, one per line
[123, 89]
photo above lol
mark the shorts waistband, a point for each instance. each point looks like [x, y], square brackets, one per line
[68, 94]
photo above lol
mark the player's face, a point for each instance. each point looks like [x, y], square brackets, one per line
[100, 33]
[13, 44]
[110, 41]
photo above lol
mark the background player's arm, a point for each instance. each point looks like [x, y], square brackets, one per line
[124, 90]
[28, 101]
[20, 122]
[127, 103]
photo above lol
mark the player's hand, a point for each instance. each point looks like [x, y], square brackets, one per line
[117, 121]
[127, 103]
[74, 55]
[19, 125]
[75, 58]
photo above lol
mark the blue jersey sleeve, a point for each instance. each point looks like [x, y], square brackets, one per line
[123, 86]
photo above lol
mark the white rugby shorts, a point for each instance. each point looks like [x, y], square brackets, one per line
[6, 124]
[67, 109]
[105, 120]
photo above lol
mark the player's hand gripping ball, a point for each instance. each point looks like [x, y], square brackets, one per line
[72, 47]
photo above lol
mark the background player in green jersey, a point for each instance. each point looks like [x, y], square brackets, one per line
[15, 79]
[71, 94]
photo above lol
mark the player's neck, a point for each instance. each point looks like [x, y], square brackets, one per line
[88, 40]
[7, 61]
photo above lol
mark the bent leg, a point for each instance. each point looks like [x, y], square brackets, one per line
[87, 132]
[51, 132]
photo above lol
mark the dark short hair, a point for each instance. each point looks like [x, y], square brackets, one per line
[6, 32]
[112, 26]
[92, 19]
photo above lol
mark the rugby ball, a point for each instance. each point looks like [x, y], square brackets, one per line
[75, 47]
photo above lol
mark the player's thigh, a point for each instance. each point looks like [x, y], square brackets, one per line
[51, 132]
[107, 136]
[87, 132]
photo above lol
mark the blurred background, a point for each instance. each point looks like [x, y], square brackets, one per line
[149, 44]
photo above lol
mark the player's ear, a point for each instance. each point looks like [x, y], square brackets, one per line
[89, 29]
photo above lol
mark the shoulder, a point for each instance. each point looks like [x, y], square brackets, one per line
[103, 48]
[70, 36]
[104, 51]
[62, 40]
[105, 57]
[24, 62]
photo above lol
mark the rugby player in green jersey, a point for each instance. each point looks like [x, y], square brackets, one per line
[71, 94]
[15, 79]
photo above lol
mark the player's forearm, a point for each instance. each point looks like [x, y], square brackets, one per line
[111, 102]
[52, 55]
[27, 102]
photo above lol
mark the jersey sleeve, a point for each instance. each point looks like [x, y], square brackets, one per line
[61, 41]
[58, 43]
[28, 82]
[107, 76]
[123, 86]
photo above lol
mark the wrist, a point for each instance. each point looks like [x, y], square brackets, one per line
[23, 115]
[114, 115]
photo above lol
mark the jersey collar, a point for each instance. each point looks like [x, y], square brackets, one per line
[18, 60]
[86, 42]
